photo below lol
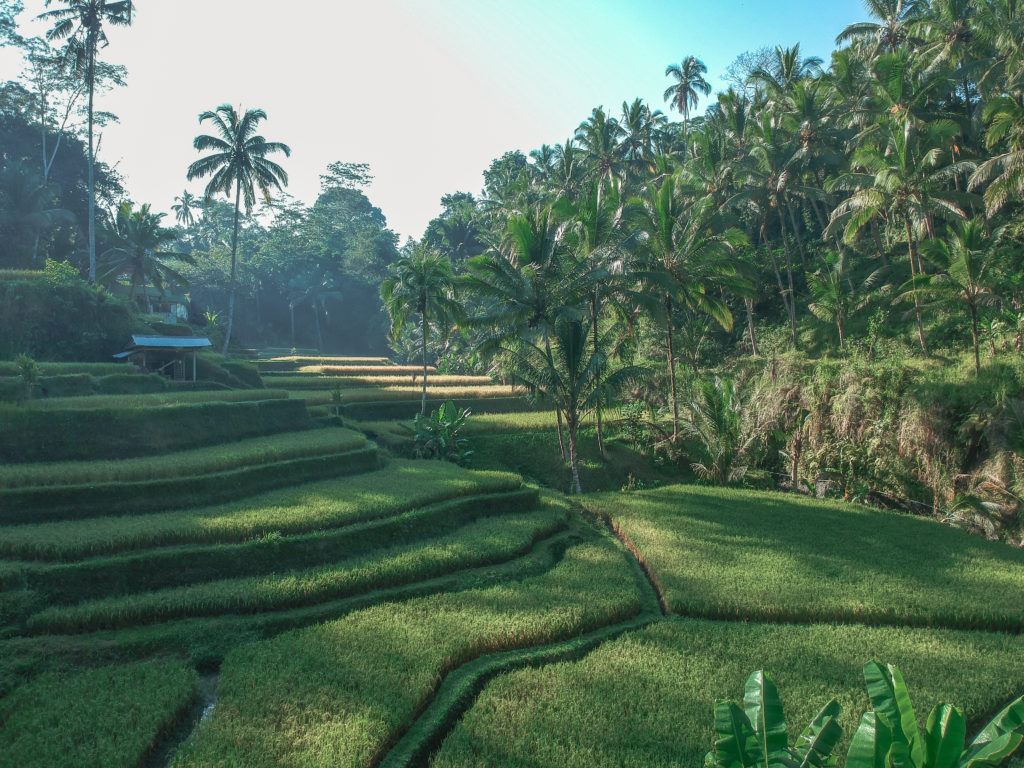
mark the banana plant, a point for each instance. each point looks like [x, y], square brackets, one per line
[888, 736]
[755, 736]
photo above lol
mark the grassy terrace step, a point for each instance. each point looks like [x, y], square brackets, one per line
[155, 399]
[258, 450]
[205, 641]
[646, 698]
[766, 556]
[435, 380]
[10, 368]
[293, 362]
[181, 566]
[31, 435]
[487, 541]
[400, 486]
[348, 689]
[98, 718]
[30, 506]
[390, 410]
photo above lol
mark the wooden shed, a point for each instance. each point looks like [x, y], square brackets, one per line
[171, 356]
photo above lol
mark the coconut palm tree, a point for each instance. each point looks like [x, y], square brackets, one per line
[420, 283]
[80, 23]
[964, 262]
[599, 135]
[184, 205]
[890, 31]
[834, 299]
[687, 265]
[689, 83]
[137, 239]
[238, 166]
[566, 369]
[1005, 117]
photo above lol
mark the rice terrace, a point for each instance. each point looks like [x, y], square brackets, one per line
[694, 440]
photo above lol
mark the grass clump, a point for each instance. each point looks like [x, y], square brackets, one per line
[398, 487]
[217, 458]
[390, 393]
[647, 698]
[348, 688]
[111, 716]
[480, 543]
[722, 553]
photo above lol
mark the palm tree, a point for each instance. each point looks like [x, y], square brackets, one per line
[138, 238]
[964, 261]
[566, 369]
[239, 161]
[690, 83]
[834, 299]
[184, 205]
[1005, 117]
[420, 283]
[599, 135]
[890, 31]
[688, 266]
[81, 22]
[723, 439]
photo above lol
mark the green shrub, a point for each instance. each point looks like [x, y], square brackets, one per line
[437, 436]
[407, 409]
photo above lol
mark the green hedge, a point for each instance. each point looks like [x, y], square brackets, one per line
[62, 322]
[163, 568]
[67, 435]
[83, 385]
[48, 504]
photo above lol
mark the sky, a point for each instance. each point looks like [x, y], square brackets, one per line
[428, 92]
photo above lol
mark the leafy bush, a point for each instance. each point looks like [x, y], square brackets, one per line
[755, 736]
[437, 435]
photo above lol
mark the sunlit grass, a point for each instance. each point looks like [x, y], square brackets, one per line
[156, 399]
[346, 688]
[646, 699]
[317, 395]
[479, 543]
[721, 553]
[399, 486]
[96, 718]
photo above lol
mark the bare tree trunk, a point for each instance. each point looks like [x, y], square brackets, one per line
[672, 369]
[234, 261]
[593, 315]
[796, 235]
[750, 325]
[291, 314]
[91, 76]
[316, 324]
[561, 438]
[789, 277]
[423, 350]
[913, 276]
[574, 457]
[974, 335]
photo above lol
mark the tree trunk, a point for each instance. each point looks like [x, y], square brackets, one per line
[842, 336]
[291, 315]
[316, 324]
[672, 369]
[974, 335]
[561, 438]
[423, 350]
[91, 77]
[913, 276]
[750, 325]
[796, 235]
[593, 315]
[234, 259]
[574, 457]
[791, 306]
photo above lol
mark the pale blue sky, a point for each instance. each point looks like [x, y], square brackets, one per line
[427, 91]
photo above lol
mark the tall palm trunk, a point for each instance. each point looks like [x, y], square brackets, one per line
[912, 248]
[423, 350]
[974, 337]
[558, 410]
[234, 259]
[672, 369]
[316, 324]
[750, 325]
[91, 77]
[597, 375]
[791, 304]
[574, 457]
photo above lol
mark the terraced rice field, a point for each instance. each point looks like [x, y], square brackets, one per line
[373, 611]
